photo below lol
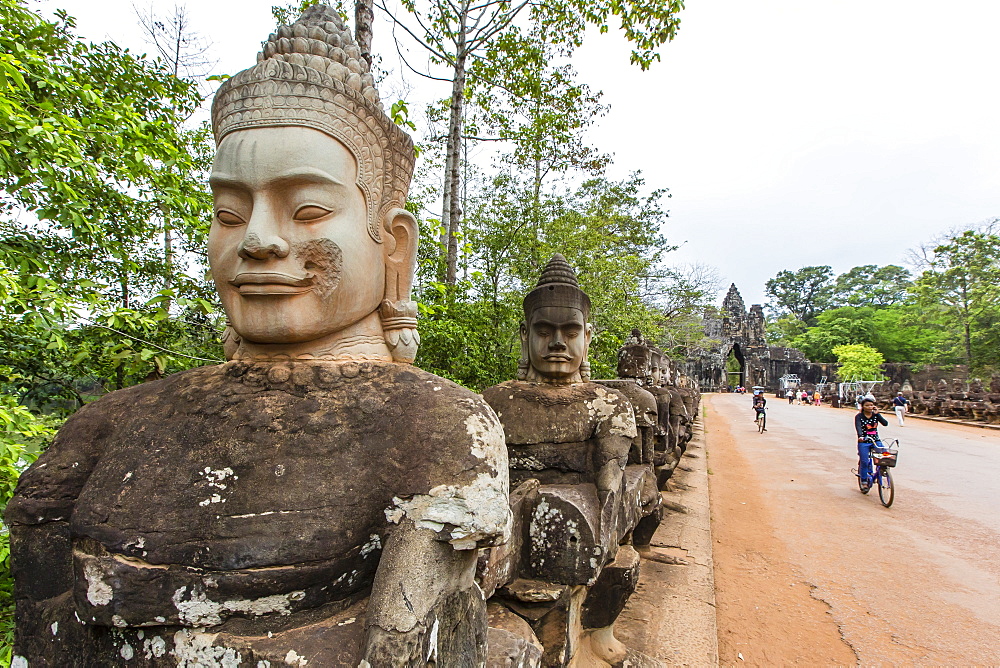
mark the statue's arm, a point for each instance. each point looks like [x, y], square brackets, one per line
[615, 433]
[425, 606]
[38, 516]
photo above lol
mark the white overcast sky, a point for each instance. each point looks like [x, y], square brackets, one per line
[790, 132]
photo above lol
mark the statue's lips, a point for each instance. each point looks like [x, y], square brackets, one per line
[556, 357]
[271, 283]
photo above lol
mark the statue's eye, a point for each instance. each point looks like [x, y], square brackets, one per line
[228, 218]
[310, 212]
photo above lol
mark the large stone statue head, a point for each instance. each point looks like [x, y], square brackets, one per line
[555, 334]
[310, 247]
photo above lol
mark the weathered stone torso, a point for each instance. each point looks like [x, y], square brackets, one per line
[246, 490]
[561, 434]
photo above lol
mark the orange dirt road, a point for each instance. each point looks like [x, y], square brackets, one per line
[808, 571]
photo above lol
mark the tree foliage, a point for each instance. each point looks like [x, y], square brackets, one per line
[96, 160]
[871, 285]
[803, 293]
[858, 362]
[963, 285]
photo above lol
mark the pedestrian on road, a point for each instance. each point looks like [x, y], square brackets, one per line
[899, 405]
[817, 397]
[805, 397]
[790, 396]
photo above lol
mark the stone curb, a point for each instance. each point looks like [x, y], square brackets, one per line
[671, 617]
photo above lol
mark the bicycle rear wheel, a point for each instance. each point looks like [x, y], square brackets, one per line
[761, 423]
[885, 488]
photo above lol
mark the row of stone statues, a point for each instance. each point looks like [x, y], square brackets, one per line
[317, 500]
[958, 400]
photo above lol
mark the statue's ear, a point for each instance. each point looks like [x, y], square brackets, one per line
[401, 254]
[588, 333]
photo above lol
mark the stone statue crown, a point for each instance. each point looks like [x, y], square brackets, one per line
[311, 74]
[557, 286]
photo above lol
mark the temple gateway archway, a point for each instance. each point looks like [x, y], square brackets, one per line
[738, 333]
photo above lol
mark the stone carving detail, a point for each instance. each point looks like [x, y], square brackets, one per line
[316, 500]
[582, 483]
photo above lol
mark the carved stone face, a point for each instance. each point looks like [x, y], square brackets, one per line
[289, 250]
[557, 340]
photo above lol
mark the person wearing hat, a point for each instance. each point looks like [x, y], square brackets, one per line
[899, 405]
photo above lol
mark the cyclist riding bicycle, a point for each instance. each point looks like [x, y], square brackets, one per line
[758, 406]
[866, 424]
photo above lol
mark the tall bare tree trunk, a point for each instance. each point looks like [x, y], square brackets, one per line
[452, 213]
[364, 17]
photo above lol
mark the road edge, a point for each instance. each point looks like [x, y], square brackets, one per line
[672, 615]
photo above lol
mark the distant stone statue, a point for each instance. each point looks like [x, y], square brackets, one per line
[316, 501]
[575, 438]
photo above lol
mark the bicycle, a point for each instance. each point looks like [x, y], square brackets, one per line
[879, 474]
[761, 420]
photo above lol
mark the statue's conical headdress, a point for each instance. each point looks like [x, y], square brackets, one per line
[311, 74]
[557, 286]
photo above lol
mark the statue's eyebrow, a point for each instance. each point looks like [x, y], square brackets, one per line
[296, 174]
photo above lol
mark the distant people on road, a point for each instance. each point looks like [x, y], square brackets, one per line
[790, 396]
[899, 405]
[817, 398]
[805, 397]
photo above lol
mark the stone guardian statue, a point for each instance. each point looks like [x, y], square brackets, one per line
[315, 501]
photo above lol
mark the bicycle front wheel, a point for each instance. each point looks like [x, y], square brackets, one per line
[762, 422]
[885, 488]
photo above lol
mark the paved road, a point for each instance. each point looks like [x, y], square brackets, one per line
[918, 583]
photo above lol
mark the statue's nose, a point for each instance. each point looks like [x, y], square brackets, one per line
[262, 239]
[256, 248]
[557, 343]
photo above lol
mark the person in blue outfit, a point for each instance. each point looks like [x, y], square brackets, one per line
[866, 424]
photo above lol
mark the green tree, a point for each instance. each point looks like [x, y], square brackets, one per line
[804, 293]
[963, 285]
[94, 153]
[871, 285]
[858, 361]
[608, 230]
[455, 35]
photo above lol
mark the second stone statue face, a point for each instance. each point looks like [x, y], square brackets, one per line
[557, 341]
[289, 251]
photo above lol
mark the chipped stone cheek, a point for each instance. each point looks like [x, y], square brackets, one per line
[199, 610]
[194, 649]
[98, 591]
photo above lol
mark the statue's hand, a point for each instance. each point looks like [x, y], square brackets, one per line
[425, 605]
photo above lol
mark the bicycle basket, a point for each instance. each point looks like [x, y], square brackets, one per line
[887, 458]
